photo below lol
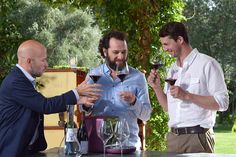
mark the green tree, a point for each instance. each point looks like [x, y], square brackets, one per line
[63, 31]
[9, 37]
[212, 30]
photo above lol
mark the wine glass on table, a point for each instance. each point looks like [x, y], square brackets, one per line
[121, 132]
[95, 74]
[122, 72]
[105, 132]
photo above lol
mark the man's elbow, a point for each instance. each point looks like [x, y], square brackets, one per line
[224, 106]
[222, 102]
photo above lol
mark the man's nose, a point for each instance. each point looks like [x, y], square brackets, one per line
[121, 56]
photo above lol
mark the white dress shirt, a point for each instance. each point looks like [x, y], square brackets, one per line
[201, 75]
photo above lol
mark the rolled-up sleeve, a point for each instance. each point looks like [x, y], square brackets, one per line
[217, 86]
[222, 98]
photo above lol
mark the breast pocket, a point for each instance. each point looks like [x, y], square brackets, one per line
[194, 85]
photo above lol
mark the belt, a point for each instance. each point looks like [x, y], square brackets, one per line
[189, 130]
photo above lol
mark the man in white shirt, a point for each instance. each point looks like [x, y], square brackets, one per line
[198, 93]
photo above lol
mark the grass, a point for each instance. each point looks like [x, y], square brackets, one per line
[225, 140]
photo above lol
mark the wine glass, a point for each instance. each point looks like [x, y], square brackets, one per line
[171, 81]
[121, 132]
[172, 78]
[95, 74]
[105, 132]
[157, 62]
[122, 72]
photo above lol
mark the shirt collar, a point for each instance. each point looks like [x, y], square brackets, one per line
[190, 58]
[29, 77]
[107, 70]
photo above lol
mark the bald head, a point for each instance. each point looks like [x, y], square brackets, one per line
[32, 56]
[29, 49]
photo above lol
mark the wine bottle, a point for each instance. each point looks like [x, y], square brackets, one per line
[83, 136]
[71, 147]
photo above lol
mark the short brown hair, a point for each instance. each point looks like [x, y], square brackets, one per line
[104, 42]
[174, 30]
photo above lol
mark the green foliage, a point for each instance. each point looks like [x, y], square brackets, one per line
[8, 60]
[140, 19]
[212, 31]
[157, 126]
[85, 69]
[62, 31]
[8, 28]
[9, 37]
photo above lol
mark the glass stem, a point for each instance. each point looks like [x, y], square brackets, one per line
[104, 149]
[121, 149]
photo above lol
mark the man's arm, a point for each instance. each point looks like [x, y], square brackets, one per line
[154, 82]
[207, 102]
[142, 107]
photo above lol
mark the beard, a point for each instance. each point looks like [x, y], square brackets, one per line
[34, 72]
[113, 65]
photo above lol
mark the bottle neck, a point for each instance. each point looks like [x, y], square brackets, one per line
[70, 116]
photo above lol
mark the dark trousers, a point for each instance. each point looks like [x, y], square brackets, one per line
[191, 143]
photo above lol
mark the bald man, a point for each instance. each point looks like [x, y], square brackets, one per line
[22, 107]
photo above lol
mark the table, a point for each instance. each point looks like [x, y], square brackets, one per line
[54, 153]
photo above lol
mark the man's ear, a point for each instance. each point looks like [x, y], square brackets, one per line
[104, 52]
[28, 60]
[180, 39]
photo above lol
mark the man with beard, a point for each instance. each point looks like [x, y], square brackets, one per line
[127, 98]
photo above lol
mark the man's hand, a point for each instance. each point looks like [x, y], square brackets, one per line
[179, 93]
[154, 79]
[128, 97]
[90, 90]
[87, 101]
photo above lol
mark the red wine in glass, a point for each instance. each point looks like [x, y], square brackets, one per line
[122, 73]
[170, 81]
[156, 65]
[121, 76]
[95, 78]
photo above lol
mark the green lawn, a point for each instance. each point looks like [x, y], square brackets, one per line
[225, 141]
